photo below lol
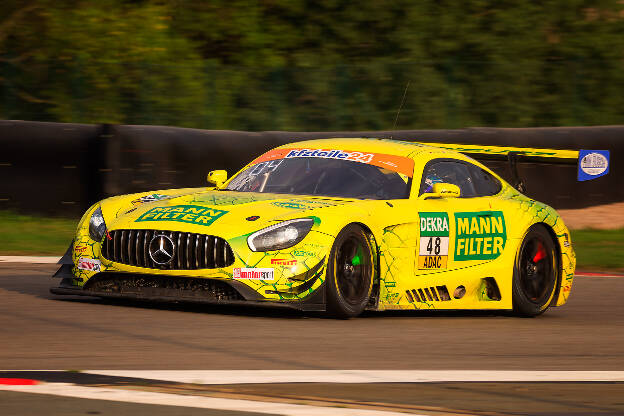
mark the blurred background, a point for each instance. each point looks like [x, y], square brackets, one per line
[110, 88]
[310, 65]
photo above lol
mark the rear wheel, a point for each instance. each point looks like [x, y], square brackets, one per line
[535, 272]
[349, 273]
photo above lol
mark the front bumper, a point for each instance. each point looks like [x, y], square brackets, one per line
[315, 302]
[177, 288]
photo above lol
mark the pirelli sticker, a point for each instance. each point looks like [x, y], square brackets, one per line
[480, 235]
[434, 240]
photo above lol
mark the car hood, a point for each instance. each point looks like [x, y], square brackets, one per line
[224, 213]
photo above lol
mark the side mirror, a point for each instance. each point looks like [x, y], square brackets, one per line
[442, 190]
[217, 177]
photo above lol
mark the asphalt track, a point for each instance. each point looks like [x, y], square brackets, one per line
[39, 330]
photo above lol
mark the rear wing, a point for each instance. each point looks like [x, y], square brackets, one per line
[591, 164]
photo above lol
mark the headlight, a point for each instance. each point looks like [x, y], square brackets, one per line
[283, 235]
[97, 226]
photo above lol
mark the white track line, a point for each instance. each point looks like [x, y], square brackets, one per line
[144, 397]
[360, 376]
[30, 259]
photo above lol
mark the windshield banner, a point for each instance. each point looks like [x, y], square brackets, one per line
[400, 164]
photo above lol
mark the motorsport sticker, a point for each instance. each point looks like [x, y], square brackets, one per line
[479, 235]
[151, 198]
[253, 273]
[592, 164]
[434, 240]
[91, 265]
[192, 214]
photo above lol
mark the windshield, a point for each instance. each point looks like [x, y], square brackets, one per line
[325, 176]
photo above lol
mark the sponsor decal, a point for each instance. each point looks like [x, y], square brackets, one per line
[91, 265]
[284, 262]
[253, 273]
[302, 253]
[252, 218]
[291, 205]
[80, 249]
[400, 164]
[192, 214]
[303, 204]
[479, 235]
[592, 164]
[434, 240]
[151, 198]
[332, 154]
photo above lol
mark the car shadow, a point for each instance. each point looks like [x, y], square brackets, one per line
[277, 312]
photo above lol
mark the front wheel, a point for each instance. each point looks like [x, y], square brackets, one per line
[535, 272]
[349, 273]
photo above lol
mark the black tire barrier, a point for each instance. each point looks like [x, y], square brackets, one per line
[61, 169]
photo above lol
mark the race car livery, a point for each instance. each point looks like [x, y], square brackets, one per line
[336, 225]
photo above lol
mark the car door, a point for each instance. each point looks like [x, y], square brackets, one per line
[460, 232]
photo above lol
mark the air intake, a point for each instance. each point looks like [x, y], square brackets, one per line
[428, 294]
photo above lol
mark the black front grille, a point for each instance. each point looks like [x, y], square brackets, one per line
[191, 251]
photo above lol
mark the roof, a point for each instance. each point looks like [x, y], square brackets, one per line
[384, 146]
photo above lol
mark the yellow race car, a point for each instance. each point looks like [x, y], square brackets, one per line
[336, 225]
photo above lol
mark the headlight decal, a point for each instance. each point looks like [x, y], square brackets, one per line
[280, 236]
[97, 226]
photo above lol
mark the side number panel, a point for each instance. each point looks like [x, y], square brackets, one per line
[434, 240]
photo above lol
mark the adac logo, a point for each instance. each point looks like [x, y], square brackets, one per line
[284, 262]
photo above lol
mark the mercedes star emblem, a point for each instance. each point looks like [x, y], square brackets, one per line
[161, 249]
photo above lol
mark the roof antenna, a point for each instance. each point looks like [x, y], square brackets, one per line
[396, 119]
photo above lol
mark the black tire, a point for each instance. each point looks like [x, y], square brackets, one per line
[349, 273]
[536, 272]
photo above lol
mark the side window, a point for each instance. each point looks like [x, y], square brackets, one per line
[485, 184]
[448, 171]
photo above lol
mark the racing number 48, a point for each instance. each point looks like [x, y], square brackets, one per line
[433, 246]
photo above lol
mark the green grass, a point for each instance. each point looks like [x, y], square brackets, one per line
[34, 236]
[599, 249]
[41, 236]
